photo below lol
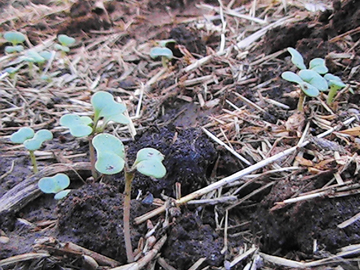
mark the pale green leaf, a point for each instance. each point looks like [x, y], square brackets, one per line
[66, 40]
[14, 37]
[309, 90]
[38, 139]
[54, 184]
[160, 51]
[109, 143]
[153, 168]
[314, 79]
[78, 125]
[296, 58]
[22, 135]
[318, 65]
[291, 77]
[62, 194]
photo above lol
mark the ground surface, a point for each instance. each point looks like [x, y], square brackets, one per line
[289, 213]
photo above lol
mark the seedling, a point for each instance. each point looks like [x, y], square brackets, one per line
[335, 84]
[32, 141]
[310, 80]
[13, 72]
[65, 43]
[14, 38]
[165, 53]
[110, 151]
[55, 184]
[106, 109]
[111, 159]
[33, 57]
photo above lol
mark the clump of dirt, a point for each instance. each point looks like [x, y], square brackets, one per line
[281, 37]
[191, 40]
[92, 217]
[346, 17]
[190, 239]
[189, 156]
[294, 229]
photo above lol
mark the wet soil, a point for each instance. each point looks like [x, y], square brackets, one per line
[91, 216]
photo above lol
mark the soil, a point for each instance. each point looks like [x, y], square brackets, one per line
[249, 212]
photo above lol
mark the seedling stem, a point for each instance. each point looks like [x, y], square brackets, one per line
[301, 102]
[33, 161]
[129, 176]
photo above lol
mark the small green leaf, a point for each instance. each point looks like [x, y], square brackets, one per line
[148, 154]
[291, 77]
[164, 42]
[22, 135]
[38, 139]
[66, 40]
[334, 81]
[62, 194]
[54, 184]
[59, 47]
[110, 153]
[12, 70]
[12, 49]
[314, 79]
[109, 163]
[46, 55]
[34, 57]
[296, 58]
[160, 51]
[78, 125]
[153, 168]
[109, 143]
[105, 106]
[309, 90]
[148, 162]
[14, 37]
[318, 65]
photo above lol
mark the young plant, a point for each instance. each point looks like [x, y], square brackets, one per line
[12, 71]
[106, 109]
[65, 43]
[335, 84]
[32, 57]
[55, 184]
[14, 38]
[111, 159]
[165, 53]
[32, 141]
[310, 80]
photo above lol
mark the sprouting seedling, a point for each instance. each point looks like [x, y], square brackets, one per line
[32, 141]
[14, 38]
[106, 109]
[55, 184]
[12, 71]
[310, 80]
[32, 57]
[165, 54]
[111, 159]
[162, 51]
[65, 43]
[335, 84]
